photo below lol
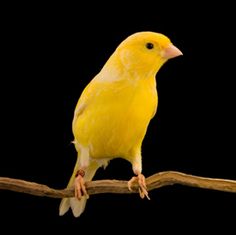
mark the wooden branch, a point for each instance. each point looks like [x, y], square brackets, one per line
[118, 186]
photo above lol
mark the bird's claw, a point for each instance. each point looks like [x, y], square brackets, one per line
[142, 185]
[80, 189]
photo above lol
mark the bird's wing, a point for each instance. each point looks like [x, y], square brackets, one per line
[80, 107]
[84, 100]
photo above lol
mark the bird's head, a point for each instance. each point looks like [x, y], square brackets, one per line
[145, 52]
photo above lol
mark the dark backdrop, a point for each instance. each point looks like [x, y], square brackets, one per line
[48, 56]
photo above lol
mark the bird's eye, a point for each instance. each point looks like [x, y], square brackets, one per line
[149, 46]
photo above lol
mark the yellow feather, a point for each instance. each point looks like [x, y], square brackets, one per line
[114, 110]
[114, 127]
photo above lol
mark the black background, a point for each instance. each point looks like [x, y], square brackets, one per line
[49, 54]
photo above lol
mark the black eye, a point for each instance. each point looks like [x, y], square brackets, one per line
[149, 45]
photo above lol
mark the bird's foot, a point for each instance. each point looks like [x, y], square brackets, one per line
[80, 189]
[142, 185]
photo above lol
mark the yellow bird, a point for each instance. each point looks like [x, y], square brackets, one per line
[114, 110]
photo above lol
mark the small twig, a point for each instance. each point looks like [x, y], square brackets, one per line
[118, 186]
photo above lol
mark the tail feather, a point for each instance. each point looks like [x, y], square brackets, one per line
[76, 205]
[64, 206]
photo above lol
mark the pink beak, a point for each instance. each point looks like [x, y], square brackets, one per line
[171, 51]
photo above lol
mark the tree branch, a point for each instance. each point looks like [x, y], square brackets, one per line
[118, 186]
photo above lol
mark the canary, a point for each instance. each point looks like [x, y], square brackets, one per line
[114, 110]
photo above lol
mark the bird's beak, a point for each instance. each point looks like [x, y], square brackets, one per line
[170, 52]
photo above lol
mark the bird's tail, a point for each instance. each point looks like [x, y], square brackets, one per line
[77, 206]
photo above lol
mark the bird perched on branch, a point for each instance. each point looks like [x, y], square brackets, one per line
[114, 110]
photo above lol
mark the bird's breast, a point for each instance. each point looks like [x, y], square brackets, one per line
[117, 119]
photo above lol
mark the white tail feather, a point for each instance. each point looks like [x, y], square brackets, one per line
[64, 206]
[76, 205]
